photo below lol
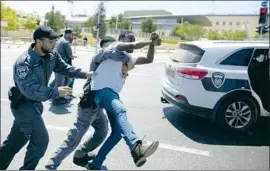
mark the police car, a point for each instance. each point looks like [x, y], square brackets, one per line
[225, 81]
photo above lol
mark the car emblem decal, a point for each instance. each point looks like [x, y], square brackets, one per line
[218, 79]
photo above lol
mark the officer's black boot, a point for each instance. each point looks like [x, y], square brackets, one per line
[142, 150]
[82, 161]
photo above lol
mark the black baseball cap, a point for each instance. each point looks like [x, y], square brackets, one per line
[68, 31]
[46, 32]
[128, 34]
[106, 39]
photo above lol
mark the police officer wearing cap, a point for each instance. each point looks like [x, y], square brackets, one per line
[65, 51]
[31, 72]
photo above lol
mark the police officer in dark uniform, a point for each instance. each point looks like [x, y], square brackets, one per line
[32, 71]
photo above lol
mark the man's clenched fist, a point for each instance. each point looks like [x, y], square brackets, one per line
[64, 91]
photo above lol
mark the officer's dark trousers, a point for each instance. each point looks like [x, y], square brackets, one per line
[29, 126]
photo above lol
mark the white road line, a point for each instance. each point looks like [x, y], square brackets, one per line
[163, 146]
[4, 100]
[59, 128]
[185, 149]
[141, 74]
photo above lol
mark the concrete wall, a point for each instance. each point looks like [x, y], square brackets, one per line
[16, 34]
[233, 23]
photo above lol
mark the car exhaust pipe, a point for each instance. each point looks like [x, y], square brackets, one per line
[163, 100]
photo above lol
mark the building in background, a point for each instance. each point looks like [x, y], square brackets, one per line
[166, 21]
[75, 21]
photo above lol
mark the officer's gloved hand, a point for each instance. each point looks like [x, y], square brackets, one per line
[64, 91]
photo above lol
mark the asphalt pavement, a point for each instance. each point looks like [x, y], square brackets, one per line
[186, 142]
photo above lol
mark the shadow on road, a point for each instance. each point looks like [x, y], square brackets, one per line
[60, 109]
[204, 131]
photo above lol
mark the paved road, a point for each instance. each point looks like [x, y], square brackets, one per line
[187, 142]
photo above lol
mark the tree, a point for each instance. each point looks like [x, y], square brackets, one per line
[55, 20]
[30, 23]
[10, 16]
[122, 23]
[102, 25]
[148, 26]
[240, 35]
[78, 31]
[213, 35]
[125, 23]
[90, 22]
[187, 31]
[227, 35]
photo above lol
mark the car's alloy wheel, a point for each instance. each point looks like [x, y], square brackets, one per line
[238, 115]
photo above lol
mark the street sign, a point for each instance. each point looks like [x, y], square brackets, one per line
[4, 24]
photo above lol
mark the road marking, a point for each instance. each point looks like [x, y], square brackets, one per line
[4, 100]
[184, 149]
[161, 145]
[141, 74]
[59, 128]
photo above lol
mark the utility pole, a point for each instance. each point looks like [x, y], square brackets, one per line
[98, 24]
[116, 25]
[52, 17]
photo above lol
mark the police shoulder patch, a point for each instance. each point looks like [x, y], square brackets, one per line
[218, 79]
[22, 71]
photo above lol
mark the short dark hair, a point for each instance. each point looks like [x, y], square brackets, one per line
[67, 31]
[126, 33]
[106, 39]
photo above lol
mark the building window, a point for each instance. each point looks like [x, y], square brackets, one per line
[230, 23]
[238, 23]
[224, 23]
[217, 23]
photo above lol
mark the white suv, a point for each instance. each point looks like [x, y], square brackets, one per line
[226, 81]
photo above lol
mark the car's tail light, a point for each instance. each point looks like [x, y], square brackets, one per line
[192, 73]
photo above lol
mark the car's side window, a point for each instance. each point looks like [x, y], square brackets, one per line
[261, 55]
[239, 58]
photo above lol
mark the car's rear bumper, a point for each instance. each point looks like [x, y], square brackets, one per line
[186, 107]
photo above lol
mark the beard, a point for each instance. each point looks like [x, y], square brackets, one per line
[44, 50]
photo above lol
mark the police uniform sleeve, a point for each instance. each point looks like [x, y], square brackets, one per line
[63, 68]
[30, 86]
[68, 49]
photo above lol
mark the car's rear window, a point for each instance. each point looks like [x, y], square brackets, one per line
[187, 54]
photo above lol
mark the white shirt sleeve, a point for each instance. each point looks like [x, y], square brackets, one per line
[133, 60]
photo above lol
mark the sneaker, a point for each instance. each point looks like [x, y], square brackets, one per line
[91, 167]
[82, 161]
[142, 150]
[50, 167]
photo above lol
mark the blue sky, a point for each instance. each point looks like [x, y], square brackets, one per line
[116, 7]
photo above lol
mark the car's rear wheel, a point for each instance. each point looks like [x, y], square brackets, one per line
[237, 113]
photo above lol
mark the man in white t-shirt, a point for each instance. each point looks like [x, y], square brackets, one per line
[108, 82]
[87, 115]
